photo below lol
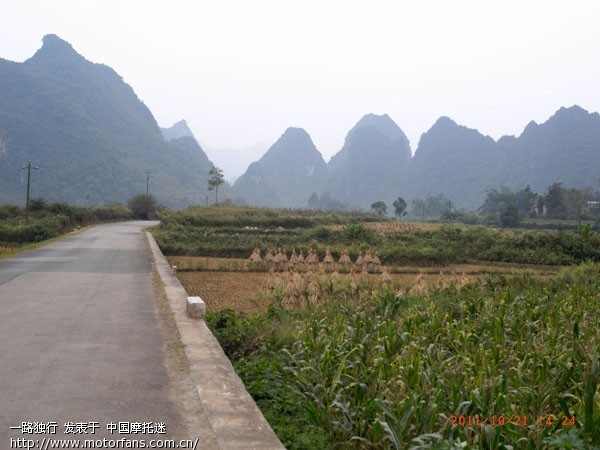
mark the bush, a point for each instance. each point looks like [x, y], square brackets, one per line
[8, 212]
[36, 231]
[52, 220]
[143, 206]
[37, 204]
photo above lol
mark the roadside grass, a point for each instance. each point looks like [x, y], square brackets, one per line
[7, 251]
[48, 221]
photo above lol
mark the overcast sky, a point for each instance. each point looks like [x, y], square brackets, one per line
[240, 72]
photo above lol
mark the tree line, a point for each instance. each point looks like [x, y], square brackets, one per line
[504, 207]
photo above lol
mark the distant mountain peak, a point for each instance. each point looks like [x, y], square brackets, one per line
[178, 130]
[567, 120]
[531, 126]
[371, 118]
[293, 141]
[55, 42]
[383, 123]
[286, 174]
[446, 127]
[574, 112]
[445, 121]
[59, 57]
[373, 137]
[571, 110]
[55, 48]
[295, 133]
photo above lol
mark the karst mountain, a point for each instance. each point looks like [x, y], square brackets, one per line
[95, 141]
[90, 135]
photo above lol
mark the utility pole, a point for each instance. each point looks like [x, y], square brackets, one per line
[147, 182]
[28, 167]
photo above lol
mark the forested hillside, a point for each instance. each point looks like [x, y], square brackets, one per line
[90, 135]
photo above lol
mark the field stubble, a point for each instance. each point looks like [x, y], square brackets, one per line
[244, 286]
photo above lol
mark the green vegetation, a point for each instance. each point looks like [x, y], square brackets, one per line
[379, 207]
[399, 207]
[89, 133]
[215, 179]
[500, 362]
[376, 369]
[508, 209]
[143, 206]
[235, 232]
[49, 220]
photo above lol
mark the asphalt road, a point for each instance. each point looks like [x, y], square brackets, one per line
[80, 340]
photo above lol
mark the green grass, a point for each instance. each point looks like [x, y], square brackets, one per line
[48, 221]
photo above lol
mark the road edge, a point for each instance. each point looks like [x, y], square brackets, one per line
[234, 416]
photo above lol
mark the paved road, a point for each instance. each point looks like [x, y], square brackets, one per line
[80, 339]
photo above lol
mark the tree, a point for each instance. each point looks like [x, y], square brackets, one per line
[400, 207]
[555, 200]
[419, 206]
[576, 200]
[526, 201]
[143, 206]
[215, 180]
[430, 207]
[313, 201]
[379, 207]
[496, 202]
[509, 216]
[540, 205]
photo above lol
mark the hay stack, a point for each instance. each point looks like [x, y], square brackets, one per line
[360, 261]
[345, 258]
[334, 277]
[385, 278]
[375, 260]
[255, 256]
[290, 290]
[328, 258]
[364, 275]
[269, 256]
[301, 258]
[442, 281]
[280, 257]
[312, 257]
[299, 282]
[293, 258]
[462, 281]
[314, 291]
[420, 286]
[271, 282]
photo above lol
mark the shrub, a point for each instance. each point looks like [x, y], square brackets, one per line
[143, 206]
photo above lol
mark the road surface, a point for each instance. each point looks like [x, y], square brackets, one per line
[82, 347]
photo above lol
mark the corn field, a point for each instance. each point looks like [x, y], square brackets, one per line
[500, 363]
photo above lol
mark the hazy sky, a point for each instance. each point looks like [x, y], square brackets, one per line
[240, 72]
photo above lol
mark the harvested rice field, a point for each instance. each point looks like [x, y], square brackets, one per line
[239, 285]
[239, 291]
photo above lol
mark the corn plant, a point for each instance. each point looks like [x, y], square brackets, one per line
[395, 372]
